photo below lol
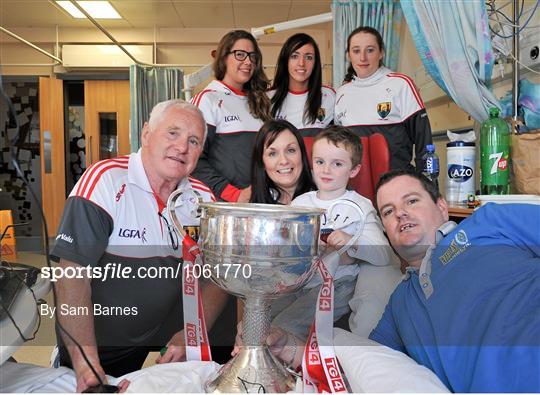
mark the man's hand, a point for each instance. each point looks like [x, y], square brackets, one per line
[123, 386]
[176, 349]
[238, 340]
[85, 377]
[245, 195]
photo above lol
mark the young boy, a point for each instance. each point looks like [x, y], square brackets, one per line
[336, 157]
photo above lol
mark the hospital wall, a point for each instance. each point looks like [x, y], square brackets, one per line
[191, 47]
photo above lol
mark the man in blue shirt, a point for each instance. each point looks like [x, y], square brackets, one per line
[469, 306]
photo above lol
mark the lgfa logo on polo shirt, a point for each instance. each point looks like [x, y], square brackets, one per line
[133, 234]
[232, 118]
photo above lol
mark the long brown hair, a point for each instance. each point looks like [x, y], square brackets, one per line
[362, 29]
[256, 87]
[281, 79]
[261, 184]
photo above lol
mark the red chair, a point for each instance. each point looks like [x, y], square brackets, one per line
[375, 162]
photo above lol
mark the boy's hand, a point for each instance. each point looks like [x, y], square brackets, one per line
[338, 239]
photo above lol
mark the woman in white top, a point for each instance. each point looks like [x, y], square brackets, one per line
[297, 93]
[374, 99]
[234, 105]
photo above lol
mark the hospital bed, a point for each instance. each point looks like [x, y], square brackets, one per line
[368, 367]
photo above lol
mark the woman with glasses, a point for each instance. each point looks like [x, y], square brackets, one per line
[234, 105]
[297, 93]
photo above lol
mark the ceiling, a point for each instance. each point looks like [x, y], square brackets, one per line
[165, 13]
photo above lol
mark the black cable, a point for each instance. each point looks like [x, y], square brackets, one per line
[260, 389]
[493, 9]
[6, 309]
[499, 12]
[520, 28]
[9, 227]
[15, 162]
[530, 16]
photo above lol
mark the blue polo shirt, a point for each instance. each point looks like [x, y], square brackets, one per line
[471, 313]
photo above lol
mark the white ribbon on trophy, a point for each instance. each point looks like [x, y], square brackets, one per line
[320, 368]
[195, 333]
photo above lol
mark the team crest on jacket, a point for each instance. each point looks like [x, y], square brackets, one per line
[384, 108]
[321, 114]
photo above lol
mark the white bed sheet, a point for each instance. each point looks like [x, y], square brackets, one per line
[368, 366]
[186, 377]
[371, 367]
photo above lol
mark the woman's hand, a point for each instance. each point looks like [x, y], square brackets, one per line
[286, 346]
[245, 195]
[282, 344]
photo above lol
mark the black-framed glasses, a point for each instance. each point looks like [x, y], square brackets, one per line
[173, 236]
[241, 55]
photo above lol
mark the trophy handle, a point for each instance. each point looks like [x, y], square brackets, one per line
[358, 233]
[171, 205]
[172, 212]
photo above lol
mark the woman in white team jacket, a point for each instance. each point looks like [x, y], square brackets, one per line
[375, 99]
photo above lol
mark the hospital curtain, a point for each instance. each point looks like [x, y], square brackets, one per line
[384, 15]
[452, 39]
[149, 86]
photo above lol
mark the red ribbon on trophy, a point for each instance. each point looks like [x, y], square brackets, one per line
[195, 333]
[320, 368]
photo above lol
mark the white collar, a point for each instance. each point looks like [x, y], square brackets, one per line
[373, 78]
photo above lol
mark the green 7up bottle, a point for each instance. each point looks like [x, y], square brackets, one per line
[495, 155]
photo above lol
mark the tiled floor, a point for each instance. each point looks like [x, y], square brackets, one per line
[38, 351]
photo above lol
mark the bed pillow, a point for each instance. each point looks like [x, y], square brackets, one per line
[371, 367]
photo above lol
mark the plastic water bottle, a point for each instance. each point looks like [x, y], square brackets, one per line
[495, 155]
[431, 164]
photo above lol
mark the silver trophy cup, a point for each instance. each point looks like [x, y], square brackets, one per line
[257, 252]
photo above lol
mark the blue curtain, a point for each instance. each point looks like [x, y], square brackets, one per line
[149, 86]
[384, 15]
[452, 39]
